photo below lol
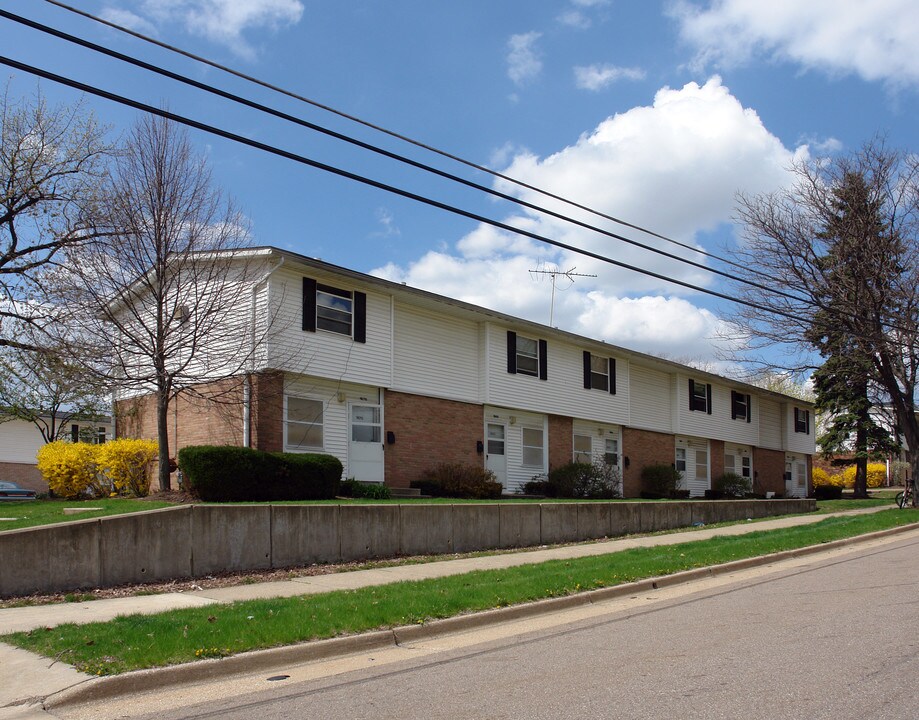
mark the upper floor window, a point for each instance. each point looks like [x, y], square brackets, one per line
[526, 356]
[802, 421]
[740, 406]
[334, 310]
[700, 396]
[599, 373]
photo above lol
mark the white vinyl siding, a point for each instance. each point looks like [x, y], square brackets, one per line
[599, 440]
[697, 474]
[328, 354]
[435, 356]
[798, 442]
[796, 467]
[650, 399]
[738, 459]
[770, 424]
[563, 392]
[718, 425]
[335, 398]
[521, 452]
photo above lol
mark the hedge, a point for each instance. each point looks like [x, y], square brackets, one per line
[237, 474]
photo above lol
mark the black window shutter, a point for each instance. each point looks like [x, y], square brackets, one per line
[692, 393]
[586, 370]
[807, 422]
[734, 395]
[749, 408]
[512, 352]
[708, 397]
[360, 317]
[309, 304]
[612, 376]
[543, 360]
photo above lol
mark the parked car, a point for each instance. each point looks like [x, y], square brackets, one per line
[11, 491]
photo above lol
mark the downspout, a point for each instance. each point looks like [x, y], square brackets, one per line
[247, 385]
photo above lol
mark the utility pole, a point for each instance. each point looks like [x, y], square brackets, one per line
[570, 274]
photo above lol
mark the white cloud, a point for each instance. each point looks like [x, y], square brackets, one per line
[128, 19]
[387, 221]
[575, 19]
[221, 21]
[875, 40]
[523, 63]
[674, 166]
[598, 77]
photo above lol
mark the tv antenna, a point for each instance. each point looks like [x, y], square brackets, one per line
[554, 274]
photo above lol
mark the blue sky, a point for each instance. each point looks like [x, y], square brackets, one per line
[658, 113]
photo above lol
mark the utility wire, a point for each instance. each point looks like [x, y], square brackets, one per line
[93, 90]
[385, 131]
[380, 151]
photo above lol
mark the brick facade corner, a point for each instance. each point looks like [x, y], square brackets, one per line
[642, 448]
[561, 439]
[768, 471]
[716, 460]
[428, 431]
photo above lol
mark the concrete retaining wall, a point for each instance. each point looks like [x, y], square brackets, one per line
[196, 540]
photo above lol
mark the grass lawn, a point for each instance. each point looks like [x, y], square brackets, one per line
[141, 641]
[45, 512]
[831, 506]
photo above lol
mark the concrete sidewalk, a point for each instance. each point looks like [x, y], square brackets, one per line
[25, 677]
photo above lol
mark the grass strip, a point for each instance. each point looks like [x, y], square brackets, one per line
[34, 513]
[142, 641]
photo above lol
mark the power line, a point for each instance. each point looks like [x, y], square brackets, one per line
[385, 131]
[93, 90]
[378, 150]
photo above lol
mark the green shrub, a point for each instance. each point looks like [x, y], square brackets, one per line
[578, 480]
[828, 492]
[355, 489]
[237, 474]
[459, 480]
[733, 485]
[661, 480]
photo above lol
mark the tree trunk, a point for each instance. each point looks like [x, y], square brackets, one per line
[860, 488]
[162, 436]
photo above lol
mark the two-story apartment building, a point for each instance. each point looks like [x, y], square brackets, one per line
[393, 380]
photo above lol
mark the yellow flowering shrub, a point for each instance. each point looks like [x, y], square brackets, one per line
[822, 477]
[126, 464]
[877, 474]
[70, 469]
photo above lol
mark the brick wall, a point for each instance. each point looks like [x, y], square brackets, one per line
[769, 471]
[429, 431]
[212, 415]
[561, 434]
[23, 474]
[716, 447]
[267, 426]
[644, 447]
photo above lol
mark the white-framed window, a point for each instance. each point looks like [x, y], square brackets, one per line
[681, 459]
[746, 467]
[334, 309]
[527, 356]
[611, 452]
[533, 447]
[700, 396]
[729, 463]
[740, 406]
[303, 423]
[802, 421]
[583, 453]
[599, 373]
[701, 464]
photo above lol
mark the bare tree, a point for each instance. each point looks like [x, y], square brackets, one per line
[173, 285]
[52, 160]
[859, 276]
[49, 390]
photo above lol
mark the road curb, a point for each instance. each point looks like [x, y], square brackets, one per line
[257, 660]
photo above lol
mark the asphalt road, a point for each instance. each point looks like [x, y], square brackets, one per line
[831, 637]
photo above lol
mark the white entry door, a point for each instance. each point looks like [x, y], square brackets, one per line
[365, 450]
[496, 451]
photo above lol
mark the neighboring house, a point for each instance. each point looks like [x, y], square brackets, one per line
[20, 441]
[393, 380]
